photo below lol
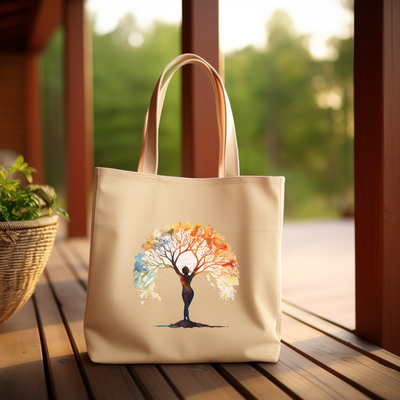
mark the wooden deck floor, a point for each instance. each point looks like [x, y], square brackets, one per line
[318, 268]
[43, 355]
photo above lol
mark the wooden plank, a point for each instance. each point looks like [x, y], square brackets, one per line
[330, 308]
[345, 336]
[151, 382]
[376, 172]
[200, 139]
[248, 381]
[350, 365]
[65, 378]
[102, 380]
[22, 374]
[66, 250]
[16, 5]
[12, 91]
[11, 111]
[14, 21]
[17, 125]
[337, 315]
[318, 263]
[199, 381]
[305, 380]
[81, 248]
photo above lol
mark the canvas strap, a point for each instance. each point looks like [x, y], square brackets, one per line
[228, 155]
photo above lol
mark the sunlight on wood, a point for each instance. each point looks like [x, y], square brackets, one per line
[318, 268]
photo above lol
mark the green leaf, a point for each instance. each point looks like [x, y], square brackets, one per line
[21, 166]
[29, 178]
[24, 204]
[63, 213]
[4, 214]
[18, 163]
[27, 172]
[30, 169]
[11, 184]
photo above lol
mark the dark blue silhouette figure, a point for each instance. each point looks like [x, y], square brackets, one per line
[187, 291]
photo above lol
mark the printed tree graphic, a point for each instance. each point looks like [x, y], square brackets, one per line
[189, 249]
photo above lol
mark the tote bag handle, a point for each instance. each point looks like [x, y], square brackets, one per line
[228, 153]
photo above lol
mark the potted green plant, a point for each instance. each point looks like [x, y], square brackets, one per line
[28, 227]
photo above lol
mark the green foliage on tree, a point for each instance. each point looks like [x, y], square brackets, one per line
[123, 81]
[293, 113]
[53, 121]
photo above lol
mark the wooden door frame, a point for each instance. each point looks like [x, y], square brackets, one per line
[377, 171]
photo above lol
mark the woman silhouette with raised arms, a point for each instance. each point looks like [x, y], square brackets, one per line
[187, 291]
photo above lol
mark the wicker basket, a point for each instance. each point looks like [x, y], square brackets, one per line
[24, 250]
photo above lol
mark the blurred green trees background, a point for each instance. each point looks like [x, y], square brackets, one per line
[293, 113]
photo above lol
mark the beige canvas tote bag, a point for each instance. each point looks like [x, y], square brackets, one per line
[185, 270]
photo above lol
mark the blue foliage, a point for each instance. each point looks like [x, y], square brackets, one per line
[143, 274]
[140, 265]
[163, 241]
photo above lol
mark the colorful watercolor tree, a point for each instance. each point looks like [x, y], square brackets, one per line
[189, 249]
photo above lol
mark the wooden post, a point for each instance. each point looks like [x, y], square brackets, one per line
[34, 153]
[200, 142]
[47, 18]
[78, 118]
[377, 171]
